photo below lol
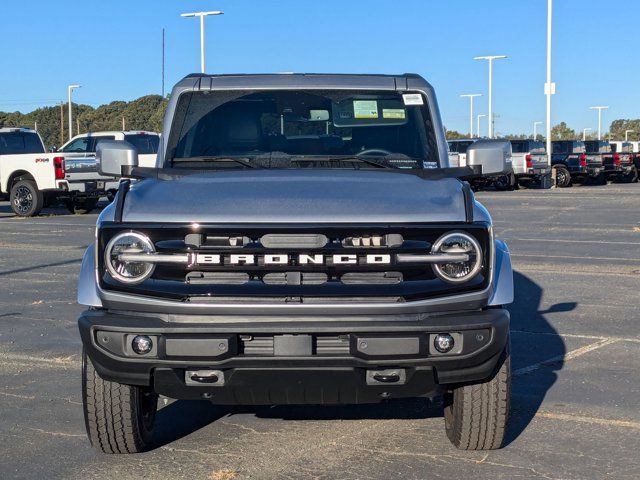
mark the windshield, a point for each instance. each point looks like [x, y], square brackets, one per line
[13, 143]
[519, 146]
[144, 143]
[301, 129]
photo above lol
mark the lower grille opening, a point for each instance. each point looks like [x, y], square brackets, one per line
[371, 278]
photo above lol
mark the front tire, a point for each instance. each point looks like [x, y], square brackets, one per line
[476, 416]
[26, 199]
[119, 418]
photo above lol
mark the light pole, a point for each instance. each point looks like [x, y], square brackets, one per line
[471, 96]
[626, 134]
[201, 15]
[478, 129]
[535, 129]
[70, 89]
[600, 109]
[584, 133]
[490, 59]
[549, 87]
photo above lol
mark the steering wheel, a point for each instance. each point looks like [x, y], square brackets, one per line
[371, 151]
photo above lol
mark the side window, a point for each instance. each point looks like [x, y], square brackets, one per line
[80, 145]
[96, 140]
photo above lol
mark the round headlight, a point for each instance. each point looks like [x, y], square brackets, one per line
[128, 271]
[460, 270]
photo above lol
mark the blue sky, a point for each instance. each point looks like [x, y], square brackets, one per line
[113, 48]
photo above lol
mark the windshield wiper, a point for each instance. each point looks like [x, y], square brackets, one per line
[244, 161]
[353, 158]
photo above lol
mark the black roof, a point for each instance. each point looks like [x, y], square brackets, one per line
[305, 80]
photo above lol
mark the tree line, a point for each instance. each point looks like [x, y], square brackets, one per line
[144, 113]
[562, 131]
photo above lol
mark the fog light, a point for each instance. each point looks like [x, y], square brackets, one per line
[142, 344]
[443, 342]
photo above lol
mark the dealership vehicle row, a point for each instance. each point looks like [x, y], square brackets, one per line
[574, 161]
[34, 179]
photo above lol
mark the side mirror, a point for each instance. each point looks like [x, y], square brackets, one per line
[116, 158]
[492, 156]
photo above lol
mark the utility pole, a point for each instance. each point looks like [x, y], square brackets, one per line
[78, 126]
[163, 63]
[201, 15]
[549, 88]
[599, 109]
[535, 129]
[471, 96]
[490, 59]
[61, 123]
[70, 89]
[123, 124]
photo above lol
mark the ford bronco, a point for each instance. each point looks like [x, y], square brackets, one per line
[303, 241]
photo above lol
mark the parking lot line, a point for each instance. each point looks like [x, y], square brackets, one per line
[593, 420]
[565, 357]
[564, 240]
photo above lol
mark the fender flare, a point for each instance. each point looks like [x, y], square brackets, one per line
[502, 293]
[87, 288]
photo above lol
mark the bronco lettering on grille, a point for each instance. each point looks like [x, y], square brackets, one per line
[286, 259]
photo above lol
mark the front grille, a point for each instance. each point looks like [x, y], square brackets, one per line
[295, 263]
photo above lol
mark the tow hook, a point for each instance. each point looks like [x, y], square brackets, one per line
[393, 375]
[204, 377]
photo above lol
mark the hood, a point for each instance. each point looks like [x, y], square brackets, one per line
[295, 196]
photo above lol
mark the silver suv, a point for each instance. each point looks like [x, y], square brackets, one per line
[304, 241]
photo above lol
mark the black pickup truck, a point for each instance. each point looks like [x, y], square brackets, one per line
[622, 165]
[580, 162]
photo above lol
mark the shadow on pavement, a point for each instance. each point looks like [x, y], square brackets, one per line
[184, 417]
[527, 349]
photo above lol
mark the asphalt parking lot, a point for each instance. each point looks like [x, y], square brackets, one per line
[575, 347]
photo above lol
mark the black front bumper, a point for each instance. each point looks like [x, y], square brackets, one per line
[291, 360]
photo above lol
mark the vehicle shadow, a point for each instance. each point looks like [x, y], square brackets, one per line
[50, 211]
[533, 340]
[537, 352]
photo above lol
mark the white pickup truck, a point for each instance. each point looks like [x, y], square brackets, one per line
[30, 177]
[82, 170]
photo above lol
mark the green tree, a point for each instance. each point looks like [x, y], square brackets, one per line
[562, 132]
[619, 127]
[145, 113]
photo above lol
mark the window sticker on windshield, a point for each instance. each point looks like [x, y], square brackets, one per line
[365, 109]
[397, 113]
[412, 99]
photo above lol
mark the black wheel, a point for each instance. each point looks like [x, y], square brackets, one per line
[504, 182]
[26, 199]
[119, 418]
[82, 207]
[631, 177]
[476, 416]
[563, 177]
